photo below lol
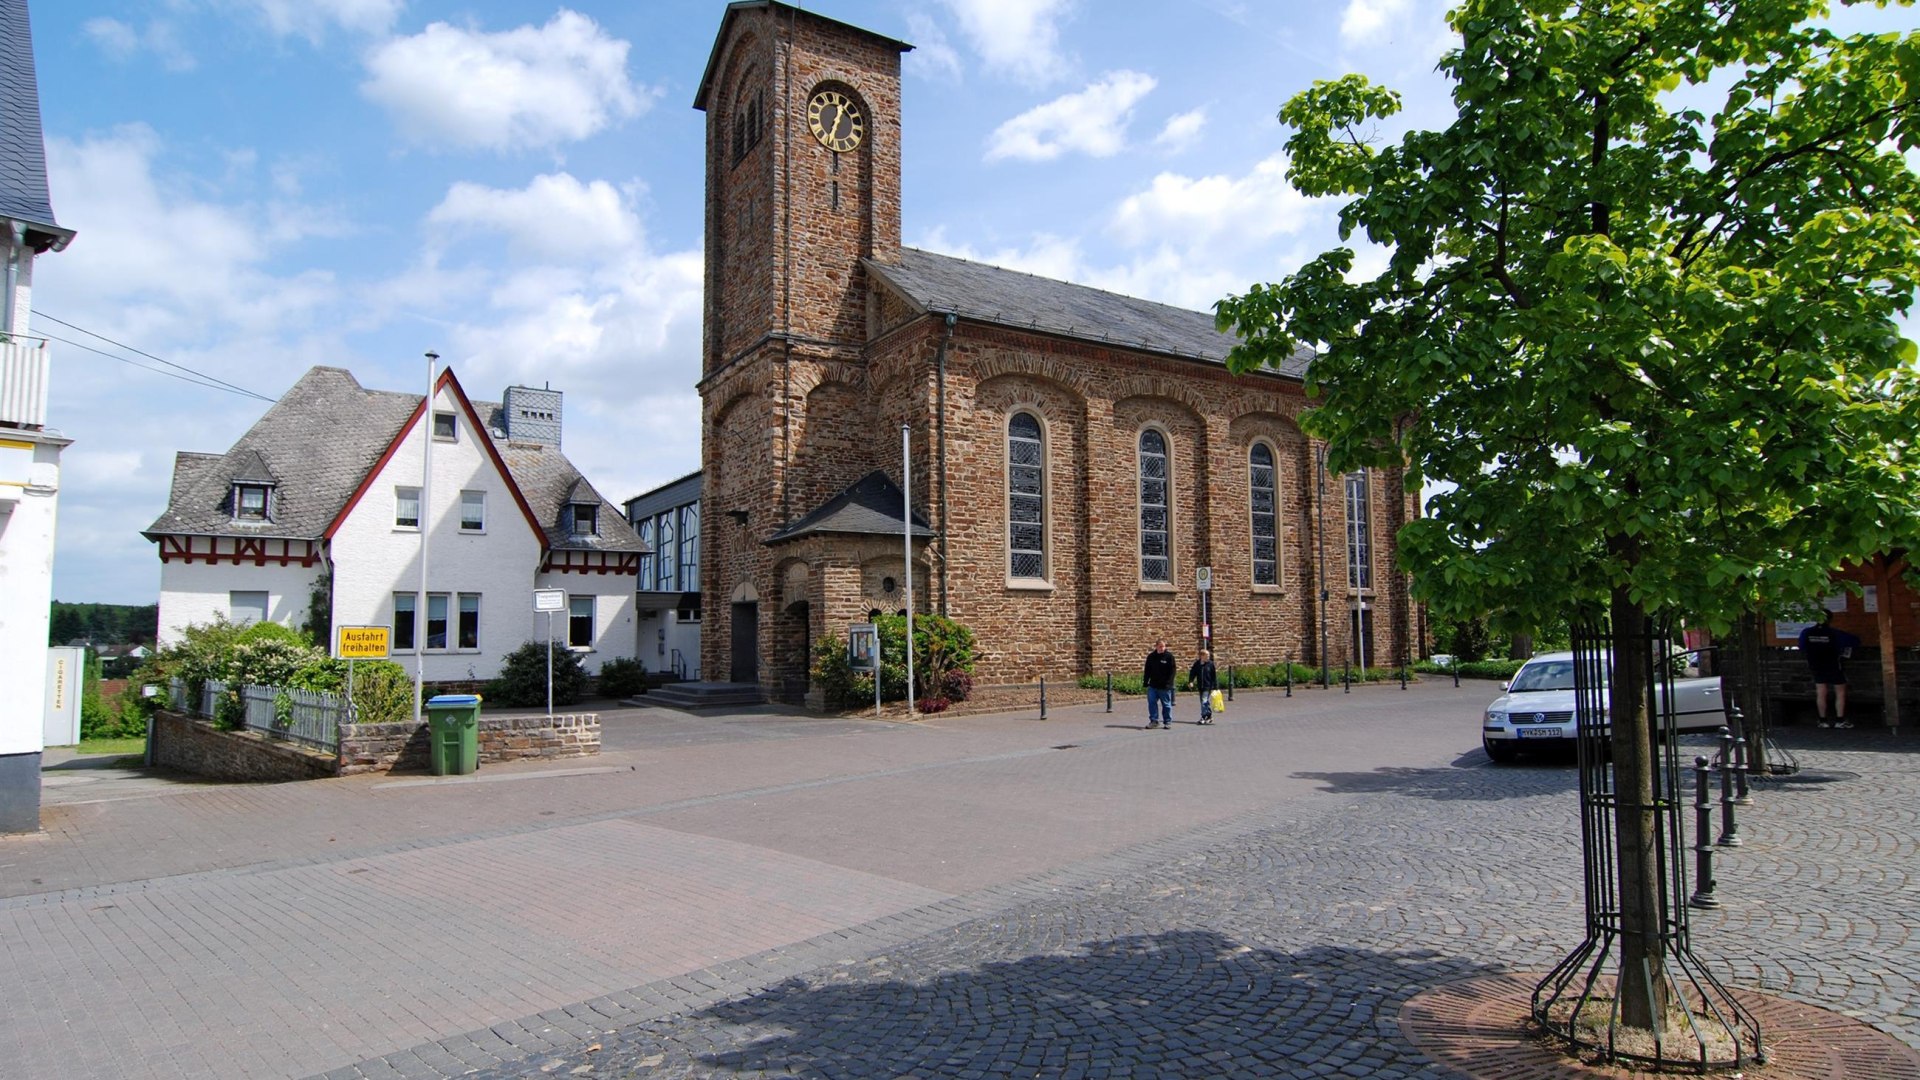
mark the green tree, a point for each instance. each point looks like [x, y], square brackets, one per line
[1650, 343]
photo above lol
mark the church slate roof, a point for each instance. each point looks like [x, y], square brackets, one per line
[317, 444]
[870, 507]
[944, 284]
[23, 151]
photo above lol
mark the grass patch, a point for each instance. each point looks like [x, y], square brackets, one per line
[136, 744]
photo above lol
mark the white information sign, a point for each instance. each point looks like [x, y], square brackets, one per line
[1203, 578]
[549, 599]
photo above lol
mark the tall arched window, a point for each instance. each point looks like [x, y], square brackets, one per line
[1156, 503]
[1263, 494]
[1359, 532]
[1026, 497]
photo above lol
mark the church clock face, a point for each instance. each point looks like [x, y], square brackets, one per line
[835, 120]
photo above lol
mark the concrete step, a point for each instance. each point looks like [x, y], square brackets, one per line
[703, 695]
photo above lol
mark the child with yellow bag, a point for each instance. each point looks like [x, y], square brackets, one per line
[1204, 681]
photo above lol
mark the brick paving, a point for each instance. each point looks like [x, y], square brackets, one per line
[772, 895]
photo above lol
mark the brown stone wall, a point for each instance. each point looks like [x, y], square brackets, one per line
[190, 745]
[405, 745]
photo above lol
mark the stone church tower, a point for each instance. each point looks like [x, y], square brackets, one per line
[1078, 457]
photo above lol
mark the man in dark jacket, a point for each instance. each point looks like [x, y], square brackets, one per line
[1826, 648]
[1158, 677]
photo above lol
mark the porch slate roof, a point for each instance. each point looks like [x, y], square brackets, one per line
[870, 507]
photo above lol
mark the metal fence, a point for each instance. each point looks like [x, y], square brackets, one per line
[302, 716]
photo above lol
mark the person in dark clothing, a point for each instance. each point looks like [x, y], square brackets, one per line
[1826, 648]
[1158, 677]
[1204, 681]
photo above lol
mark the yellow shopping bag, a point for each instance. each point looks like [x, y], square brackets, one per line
[1219, 701]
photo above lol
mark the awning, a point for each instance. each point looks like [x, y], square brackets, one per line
[666, 601]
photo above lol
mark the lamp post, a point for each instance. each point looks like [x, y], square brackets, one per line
[426, 525]
[906, 533]
[1320, 560]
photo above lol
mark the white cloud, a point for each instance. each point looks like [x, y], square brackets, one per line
[555, 216]
[521, 88]
[1091, 122]
[122, 42]
[932, 57]
[1020, 38]
[311, 19]
[1182, 131]
[1371, 20]
[1249, 209]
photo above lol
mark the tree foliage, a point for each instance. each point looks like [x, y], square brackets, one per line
[1650, 343]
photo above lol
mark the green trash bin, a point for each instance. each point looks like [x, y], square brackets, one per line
[453, 730]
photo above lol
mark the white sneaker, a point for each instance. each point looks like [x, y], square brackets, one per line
[1843, 723]
[1826, 723]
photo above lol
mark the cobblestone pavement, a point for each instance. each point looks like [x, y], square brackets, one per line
[1283, 943]
[766, 894]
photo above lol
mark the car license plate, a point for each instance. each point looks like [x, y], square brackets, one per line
[1538, 733]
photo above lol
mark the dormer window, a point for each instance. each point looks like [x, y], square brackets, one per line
[586, 519]
[250, 501]
[444, 429]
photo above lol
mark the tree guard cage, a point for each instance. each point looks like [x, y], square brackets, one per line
[1706, 1028]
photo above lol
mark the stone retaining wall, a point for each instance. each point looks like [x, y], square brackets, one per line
[195, 746]
[385, 747]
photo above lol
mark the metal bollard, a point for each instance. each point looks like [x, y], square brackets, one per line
[1403, 673]
[1229, 682]
[1346, 678]
[1702, 850]
[1043, 697]
[1741, 795]
[1289, 676]
[1729, 828]
[1109, 691]
[1455, 665]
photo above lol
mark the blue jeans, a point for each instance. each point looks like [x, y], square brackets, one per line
[1159, 704]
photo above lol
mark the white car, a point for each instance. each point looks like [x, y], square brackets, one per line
[1537, 709]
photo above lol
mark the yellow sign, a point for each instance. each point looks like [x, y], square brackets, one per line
[363, 642]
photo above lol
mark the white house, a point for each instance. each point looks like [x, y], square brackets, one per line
[29, 452]
[321, 507]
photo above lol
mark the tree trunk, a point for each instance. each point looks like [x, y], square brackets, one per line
[1643, 988]
[1522, 647]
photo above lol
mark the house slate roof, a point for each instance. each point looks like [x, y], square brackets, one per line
[549, 481]
[870, 507]
[319, 440]
[317, 444]
[947, 285]
[23, 150]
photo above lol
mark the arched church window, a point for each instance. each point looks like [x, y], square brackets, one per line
[1156, 509]
[1359, 532]
[1026, 497]
[1263, 495]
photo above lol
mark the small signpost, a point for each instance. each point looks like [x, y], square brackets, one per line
[1203, 580]
[863, 654]
[360, 643]
[549, 601]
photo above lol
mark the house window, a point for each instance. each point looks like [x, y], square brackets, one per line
[250, 502]
[444, 427]
[469, 620]
[1359, 532]
[473, 511]
[403, 621]
[645, 528]
[664, 561]
[1156, 554]
[437, 620]
[690, 548]
[246, 607]
[580, 622]
[1263, 495]
[586, 519]
[406, 508]
[1026, 497]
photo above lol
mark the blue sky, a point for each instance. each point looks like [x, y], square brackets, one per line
[264, 185]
